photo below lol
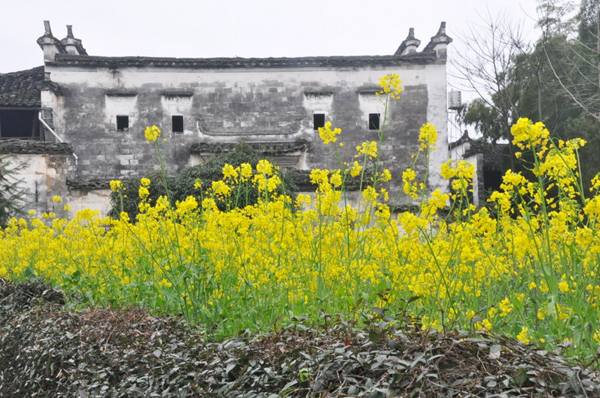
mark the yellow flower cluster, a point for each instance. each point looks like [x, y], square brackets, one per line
[116, 185]
[327, 134]
[144, 191]
[390, 85]
[230, 172]
[460, 172]
[356, 169]
[528, 272]
[460, 169]
[152, 133]
[523, 336]
[368, 149]
[409, 187]
[528, 134]
[427, 137]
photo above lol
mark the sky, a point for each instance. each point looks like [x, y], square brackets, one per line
[246, 28]
[237, 28]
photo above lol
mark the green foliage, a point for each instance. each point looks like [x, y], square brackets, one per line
[12, 195]
[183, 185]
[212, 170]
[485, 119]
[589, 130]
[589, 19]
[128, 200]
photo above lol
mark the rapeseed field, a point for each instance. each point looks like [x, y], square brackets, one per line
[526, 265]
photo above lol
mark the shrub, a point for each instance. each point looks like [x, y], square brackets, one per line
[184, 184]
[128, 199]
[212, 170]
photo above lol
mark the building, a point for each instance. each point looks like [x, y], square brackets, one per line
[489, 160]
[97, 108]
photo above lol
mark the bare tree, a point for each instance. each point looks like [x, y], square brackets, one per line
[485, 67]
[488, 67]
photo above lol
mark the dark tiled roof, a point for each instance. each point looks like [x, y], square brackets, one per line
[21, 89]
[463, 139]
[218, 63]
[98, 183]
[35, 147]
[492, 153]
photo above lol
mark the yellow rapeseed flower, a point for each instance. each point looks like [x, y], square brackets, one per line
[246, 171]
[367, 148]
[143, 192]
[230, 172]
[390, 84]
[327, 134]
[152, 133]
[427, 137]
[529, 135]
[264, 167]
[524, 336]
[116, 185]
[356, 169]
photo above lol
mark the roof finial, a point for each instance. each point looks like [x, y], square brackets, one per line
[47, 29]
[409, 45]
[50, 44]
[439, 42]
[71, 44]
[442, 30]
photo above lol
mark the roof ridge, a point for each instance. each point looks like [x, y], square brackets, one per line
[37, 69]
[222, 62]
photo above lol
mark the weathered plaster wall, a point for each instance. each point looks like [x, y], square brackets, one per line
[46, 169]
[224, 105]
[42, 176]
[437, 114]
[45, 176]
[478, 183]
[461, 152]
[94, 199]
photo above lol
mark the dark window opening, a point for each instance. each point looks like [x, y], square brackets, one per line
[318, 120]
[22, 124]
[374, 121]
[492, 180]
[122, 123]
[177, 123]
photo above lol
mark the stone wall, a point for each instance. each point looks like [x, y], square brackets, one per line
[251, 104]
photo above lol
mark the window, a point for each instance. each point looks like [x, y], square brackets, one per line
[177, 123]
[318, 120]
[18, 123]
[122, 123]
[374, 121]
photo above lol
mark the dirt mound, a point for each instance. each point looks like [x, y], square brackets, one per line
[46, 351]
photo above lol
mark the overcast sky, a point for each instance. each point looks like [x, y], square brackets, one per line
[244, 28]
[230, 28]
